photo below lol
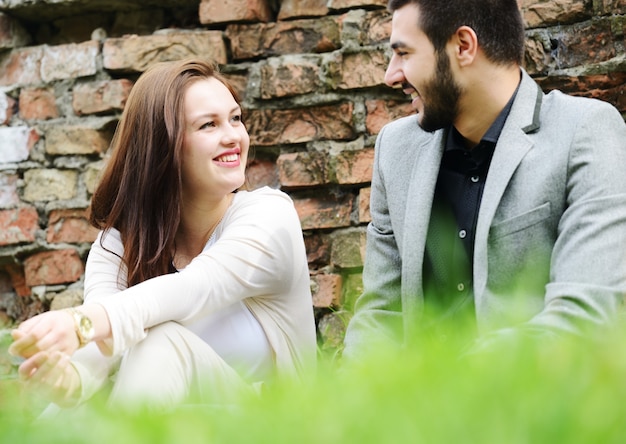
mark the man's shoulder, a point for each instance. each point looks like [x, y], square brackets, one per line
[564, 104]
[403, 130]
[403, 124]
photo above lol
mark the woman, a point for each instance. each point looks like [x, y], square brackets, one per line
[189, 276]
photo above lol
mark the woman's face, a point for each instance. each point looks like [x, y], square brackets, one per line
[216, 142]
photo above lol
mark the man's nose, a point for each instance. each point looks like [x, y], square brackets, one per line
[393, 74]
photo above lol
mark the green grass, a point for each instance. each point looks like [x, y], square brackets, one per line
[561, 392]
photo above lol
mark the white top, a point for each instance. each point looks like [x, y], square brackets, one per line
[236, 336]
[253, 274]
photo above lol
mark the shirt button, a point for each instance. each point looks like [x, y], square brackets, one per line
[475, 179]
[460, 286]
[462, 234]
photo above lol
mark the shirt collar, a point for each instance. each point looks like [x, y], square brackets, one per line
[455, 140]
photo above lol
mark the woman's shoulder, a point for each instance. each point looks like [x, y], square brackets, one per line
[261, 207]
[262, 196]
[109, 239]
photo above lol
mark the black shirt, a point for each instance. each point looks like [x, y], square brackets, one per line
[448, 267]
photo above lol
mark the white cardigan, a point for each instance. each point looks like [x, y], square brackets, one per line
[258, 258]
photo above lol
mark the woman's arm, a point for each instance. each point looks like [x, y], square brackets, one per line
[46, 341]
[254, 257]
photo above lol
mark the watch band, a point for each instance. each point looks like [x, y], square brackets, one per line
[82, 326]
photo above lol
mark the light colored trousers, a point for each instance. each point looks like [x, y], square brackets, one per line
[172, 367]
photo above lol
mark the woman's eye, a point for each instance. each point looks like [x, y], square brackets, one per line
[207, 125]
[237, 118]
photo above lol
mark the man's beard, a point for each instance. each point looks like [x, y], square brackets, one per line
[440, 97]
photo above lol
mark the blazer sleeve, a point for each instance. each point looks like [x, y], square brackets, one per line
[377, 319]
[588, 266]
[587, 281]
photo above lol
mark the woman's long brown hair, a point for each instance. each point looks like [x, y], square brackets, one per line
[140, 192]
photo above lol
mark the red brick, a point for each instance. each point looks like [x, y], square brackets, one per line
[317, 248]
[290, 9]
[18, 281]
[262, 173]
[21, 66]
[364, 205]
[326, 290]
[38, 104]
[289, 79]
[272, 127]
[239, 82]
[585, 43]
[8, 190]
[18, 225]
[71, 226]
[101, 97]
[53, 267]
[292, 37]
[348, 4]
[377, 27]
[539, 13]
[136, 53]
[354, 166]
[223, 11]
[381, 112]
[324, 211]
[363, 69]
[302, 169]
[608, 87]
[69, 61]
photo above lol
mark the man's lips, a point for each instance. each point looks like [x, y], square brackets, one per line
[407, 89]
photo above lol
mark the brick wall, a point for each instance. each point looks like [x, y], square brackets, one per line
[311, 75]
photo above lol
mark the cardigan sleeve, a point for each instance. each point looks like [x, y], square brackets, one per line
[102, 276]
[253, 257]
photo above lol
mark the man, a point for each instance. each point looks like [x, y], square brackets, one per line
[495, 199]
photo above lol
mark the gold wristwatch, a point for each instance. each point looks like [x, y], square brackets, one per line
[83, 326]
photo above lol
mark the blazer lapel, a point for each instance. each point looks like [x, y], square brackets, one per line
[513, 144]
[419, 201]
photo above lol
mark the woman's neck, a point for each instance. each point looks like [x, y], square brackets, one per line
[198, 222]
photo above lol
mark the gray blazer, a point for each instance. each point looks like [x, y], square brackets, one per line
[550, 247]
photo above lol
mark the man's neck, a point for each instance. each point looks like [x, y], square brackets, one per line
[484, 98]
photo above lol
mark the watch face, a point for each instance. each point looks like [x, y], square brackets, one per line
[85, 323]
[85, 327]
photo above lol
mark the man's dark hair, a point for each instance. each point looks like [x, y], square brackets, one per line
[497, 23]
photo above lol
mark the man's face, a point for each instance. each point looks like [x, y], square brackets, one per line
[422, 72]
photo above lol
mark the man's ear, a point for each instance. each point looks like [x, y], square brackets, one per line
[465, 44]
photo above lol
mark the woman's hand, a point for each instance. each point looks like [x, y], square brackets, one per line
[53, 331]
[51, 375]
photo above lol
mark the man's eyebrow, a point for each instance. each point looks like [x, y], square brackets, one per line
[396, 45]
